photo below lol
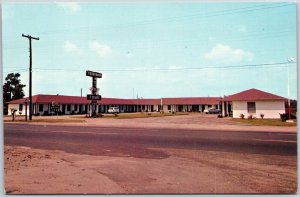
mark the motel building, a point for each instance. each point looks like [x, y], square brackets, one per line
[252, 101]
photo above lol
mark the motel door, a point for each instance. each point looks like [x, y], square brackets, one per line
[63, 108]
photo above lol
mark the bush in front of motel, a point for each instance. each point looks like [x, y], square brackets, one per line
[284, 117]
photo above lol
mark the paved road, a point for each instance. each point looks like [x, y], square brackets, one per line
[145, 142]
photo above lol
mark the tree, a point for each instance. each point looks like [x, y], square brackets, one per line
[12, 89]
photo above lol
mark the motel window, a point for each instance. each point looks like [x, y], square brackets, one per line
[76, 107]
[169, 107]
[20, 107]
[41, 107]
[251, 107]
[68, 107]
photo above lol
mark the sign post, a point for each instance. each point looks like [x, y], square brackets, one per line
[94, 96]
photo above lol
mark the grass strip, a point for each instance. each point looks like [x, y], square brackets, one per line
[141, 115]
[265, 122]
[49, 120]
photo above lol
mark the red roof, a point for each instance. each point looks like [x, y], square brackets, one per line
[116, 101]
[248, 95]
[61, 99]
[253, 95]
[191, 101]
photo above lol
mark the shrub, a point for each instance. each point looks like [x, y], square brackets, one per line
[173, 112]
[262, 116]
[284, 117]
[242, 116]
[250, 117]
[220, 116]
[115, 114]
[149, 114]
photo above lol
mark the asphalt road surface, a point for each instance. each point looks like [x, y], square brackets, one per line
[146, 142]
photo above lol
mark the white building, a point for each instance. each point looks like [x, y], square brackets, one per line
[254, 102]
[250, 102]
[80, 105]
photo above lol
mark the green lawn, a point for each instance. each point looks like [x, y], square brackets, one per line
[140, 115]
[49, 120]
[265, 122]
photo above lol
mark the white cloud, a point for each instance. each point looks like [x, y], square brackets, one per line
[226, 54]
[71, 47]
[69, 6]
[101, 49]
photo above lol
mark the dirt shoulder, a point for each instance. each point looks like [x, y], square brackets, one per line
[35, 171]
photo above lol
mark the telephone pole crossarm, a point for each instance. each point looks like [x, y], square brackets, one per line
[30, 37]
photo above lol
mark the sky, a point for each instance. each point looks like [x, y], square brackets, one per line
[153, 50]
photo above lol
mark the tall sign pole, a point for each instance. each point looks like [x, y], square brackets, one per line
[30, 73]
[94, 96]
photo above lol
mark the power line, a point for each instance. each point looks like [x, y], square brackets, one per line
[171, 19]
[244, 37]
[199, 15]
[218, 13]
[249, 66]
[17, 70]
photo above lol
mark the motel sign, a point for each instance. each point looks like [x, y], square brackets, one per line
[93, 97]
[93, 74]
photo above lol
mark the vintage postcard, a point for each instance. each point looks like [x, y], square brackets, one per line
[150, 98]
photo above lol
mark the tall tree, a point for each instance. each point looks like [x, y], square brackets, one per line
[12, 89]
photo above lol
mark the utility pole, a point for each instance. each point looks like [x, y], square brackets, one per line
[290, 60]
[30, 73]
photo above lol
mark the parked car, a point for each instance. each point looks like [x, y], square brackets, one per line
[212, 111]
[113, 110]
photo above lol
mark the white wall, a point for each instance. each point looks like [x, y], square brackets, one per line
[165, 108]
[16, 106]
[270, 109]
